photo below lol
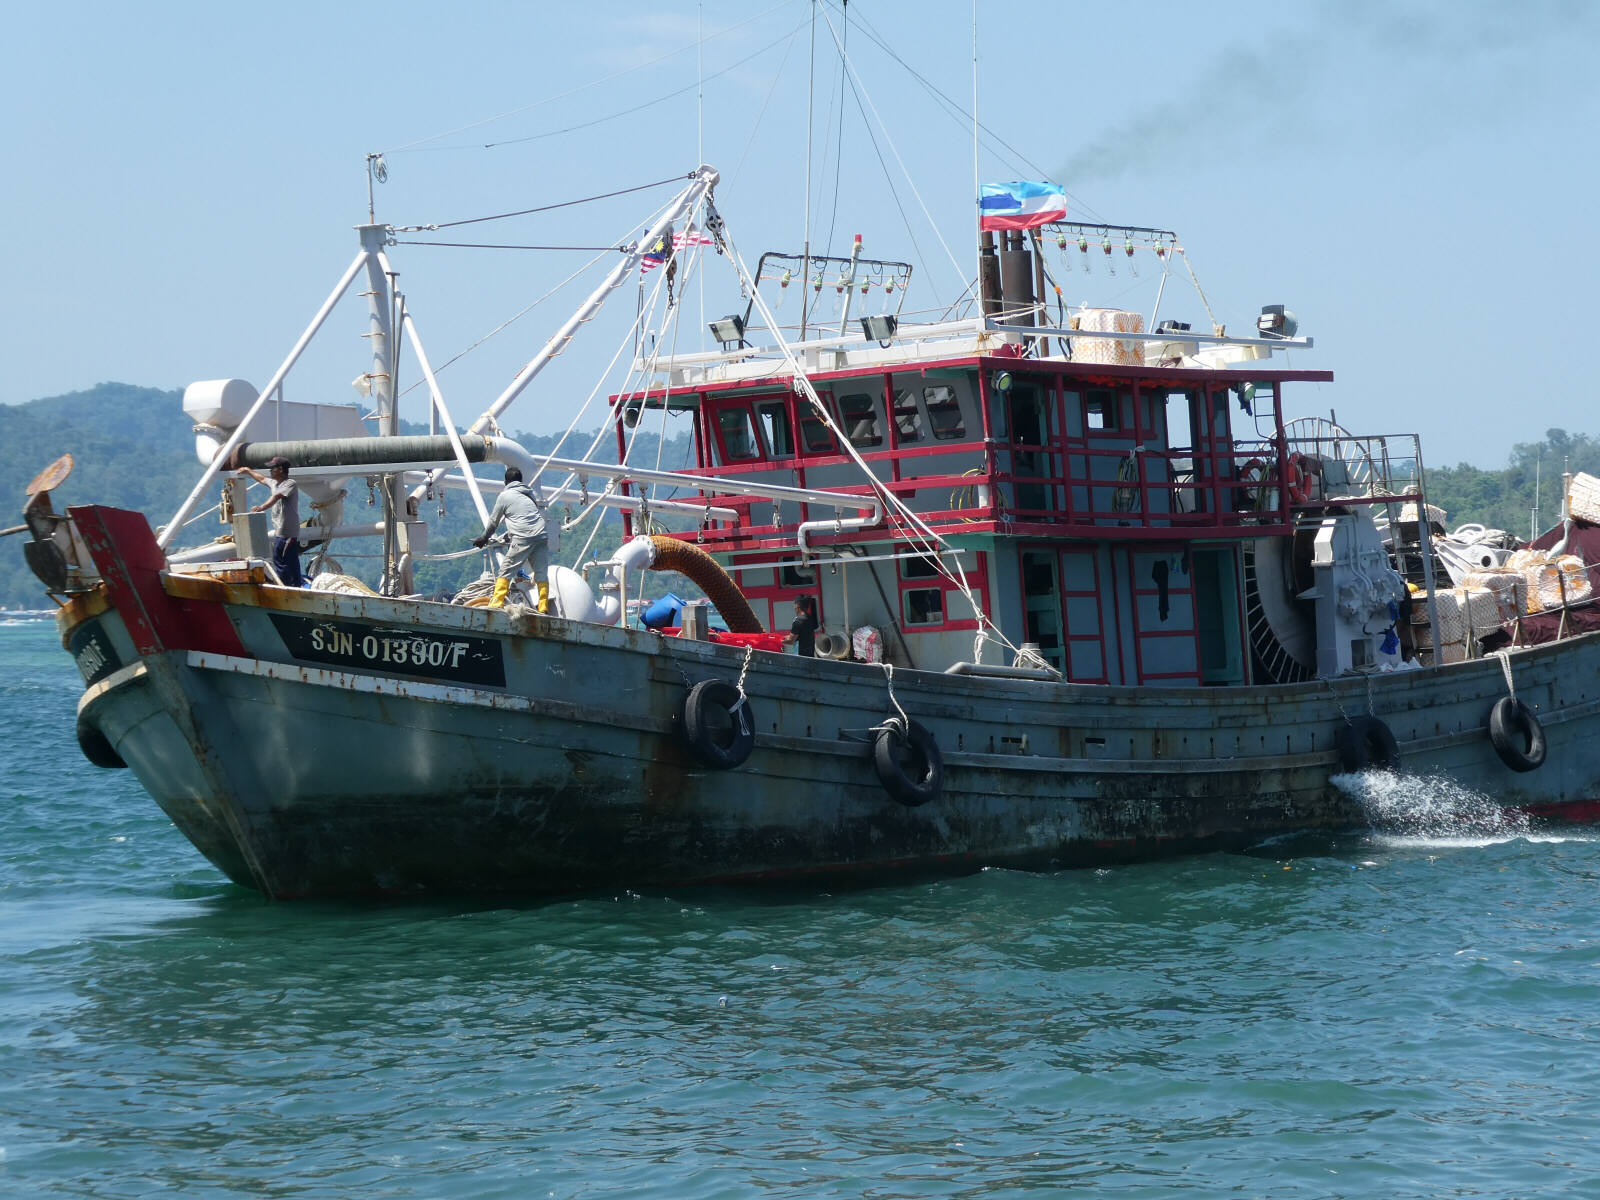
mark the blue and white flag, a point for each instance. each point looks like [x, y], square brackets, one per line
[1019, 205]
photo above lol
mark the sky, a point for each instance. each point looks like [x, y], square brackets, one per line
[1413, 179]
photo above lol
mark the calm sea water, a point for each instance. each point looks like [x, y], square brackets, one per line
[1390, 1015]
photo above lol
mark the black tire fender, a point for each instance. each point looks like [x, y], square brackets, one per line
[1365, 742]
[908, 763]
[720, 729]
[1517, 735]
[96, 748]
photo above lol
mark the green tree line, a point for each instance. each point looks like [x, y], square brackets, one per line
[1506, 499]
[133, 448]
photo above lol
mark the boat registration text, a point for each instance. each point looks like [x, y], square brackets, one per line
[460, 658]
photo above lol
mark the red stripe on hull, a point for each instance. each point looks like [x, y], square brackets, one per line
[129, 560]
[1573, 812]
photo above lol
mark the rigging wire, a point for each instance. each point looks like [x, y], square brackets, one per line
[643, 187]
[927, 542]
[967, 119]
[410, 147]
[508, 322]
[888, 181]
[637, 230]
[771, 91]
[504, 246]
[961, 275]
[534, 137]
[838, 156]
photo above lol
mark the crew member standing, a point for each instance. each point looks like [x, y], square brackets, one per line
[284, 501]
[522, 509]
[803, 633]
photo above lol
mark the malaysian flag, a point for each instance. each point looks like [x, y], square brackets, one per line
[661, 252]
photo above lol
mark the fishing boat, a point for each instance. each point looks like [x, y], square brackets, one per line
[1087, 593]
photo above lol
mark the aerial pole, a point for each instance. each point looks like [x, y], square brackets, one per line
[805, 252]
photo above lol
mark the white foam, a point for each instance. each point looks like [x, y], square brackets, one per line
[1433, 810]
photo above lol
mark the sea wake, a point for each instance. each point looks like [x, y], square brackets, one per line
[1433, 809]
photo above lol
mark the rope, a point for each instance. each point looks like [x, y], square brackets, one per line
[1505, 667]
[888, 676]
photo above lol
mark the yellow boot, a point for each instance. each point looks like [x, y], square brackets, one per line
[502, 588]
[544, 596]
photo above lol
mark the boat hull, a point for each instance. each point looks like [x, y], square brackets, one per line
[303, 770]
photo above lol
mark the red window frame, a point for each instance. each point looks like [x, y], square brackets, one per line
[977, 580]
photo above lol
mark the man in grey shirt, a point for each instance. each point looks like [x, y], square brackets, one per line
[284, 501]
[522, 509]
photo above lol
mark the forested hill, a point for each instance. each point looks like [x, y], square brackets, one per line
[1504, 499]
[133, 447]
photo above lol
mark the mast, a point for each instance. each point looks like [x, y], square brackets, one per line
[380, 331]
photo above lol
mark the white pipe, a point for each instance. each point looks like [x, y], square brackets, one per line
[906, 333]
[171, 529]
[805, 529]
[1034, 331]
[970, 326]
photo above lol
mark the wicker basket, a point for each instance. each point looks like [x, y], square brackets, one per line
[1583, 498]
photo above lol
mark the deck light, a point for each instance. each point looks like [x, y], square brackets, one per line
[879, 329]
[1002, 381]
[1276, 321]
[729, 331]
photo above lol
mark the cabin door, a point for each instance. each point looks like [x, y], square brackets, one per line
[1028, 424]
[1062, 611]
[1216, 600]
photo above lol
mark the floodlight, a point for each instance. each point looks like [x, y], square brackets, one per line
[879, 329]
[729, 331]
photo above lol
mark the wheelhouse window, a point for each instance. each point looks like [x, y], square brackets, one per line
[1100, 410]
[737, 435]
[773, 418]
[858, 412]
[907, 417]
[815, 436]
[944, 412]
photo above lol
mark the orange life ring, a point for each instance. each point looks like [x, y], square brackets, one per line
[1297, 479]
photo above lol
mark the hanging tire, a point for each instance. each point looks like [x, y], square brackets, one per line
[1365, 742]
[719, 729]
[96, 748]
[909, 764]
[1517, 735]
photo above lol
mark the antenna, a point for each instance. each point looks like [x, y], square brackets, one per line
[977, 179]
[811, 89]
[1538, 466]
